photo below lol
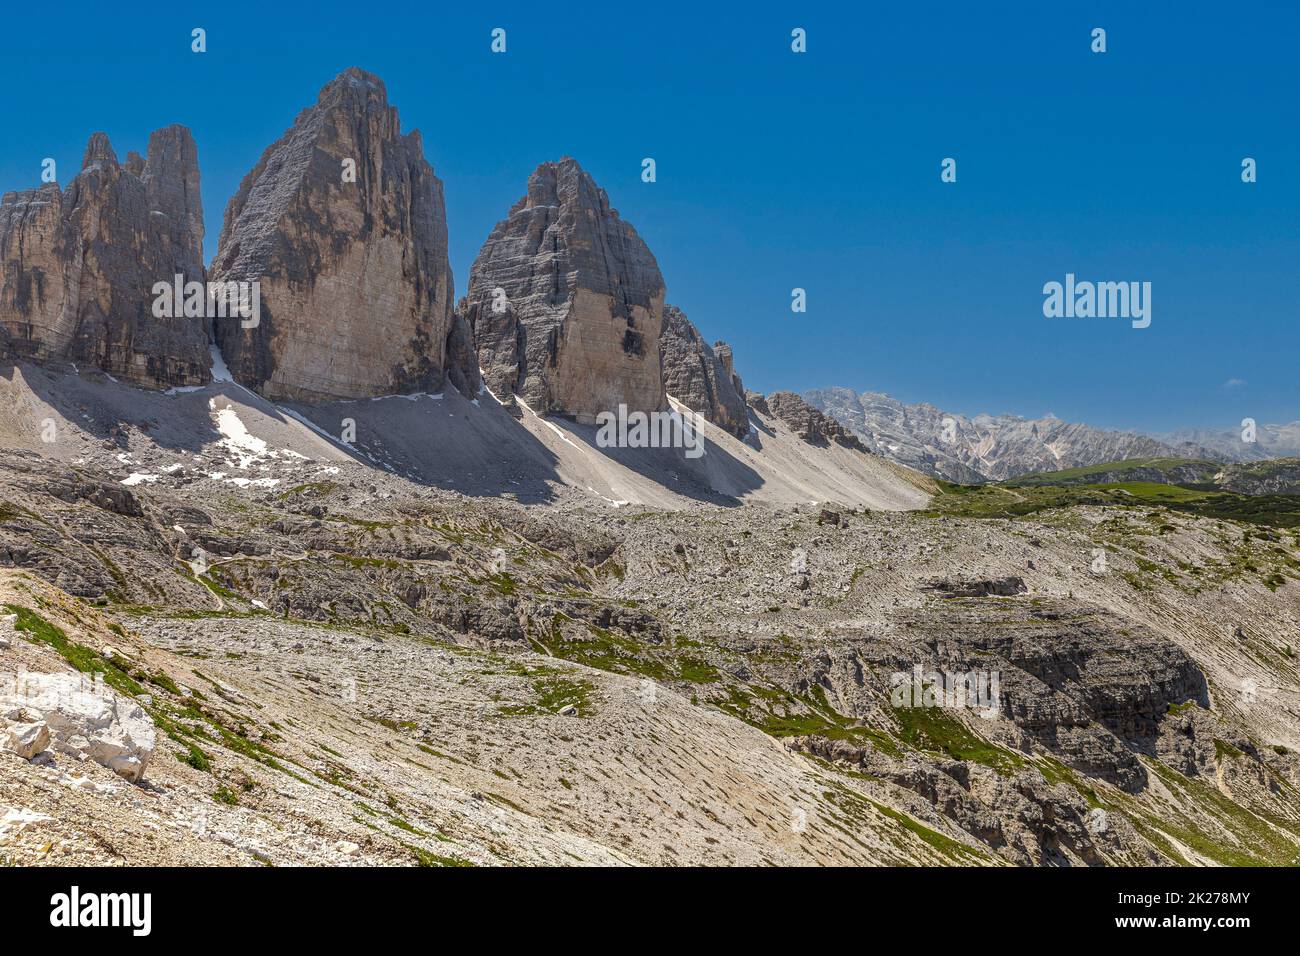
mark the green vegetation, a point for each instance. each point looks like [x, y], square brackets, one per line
[424, 858]
[1224, 750]
[602, 649]
[860, 813]
[195, 758]
[781, 714]
[553, 695]
[79, 656]
[312, 487]
[1008, 501]
[1055, 772]
[1202, 470]
[1241, 837]
[936, 730]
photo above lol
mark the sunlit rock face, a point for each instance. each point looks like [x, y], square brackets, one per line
[342, 222]
[702, 376]
[567, 302]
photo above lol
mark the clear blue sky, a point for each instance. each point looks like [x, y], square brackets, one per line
[820, 170]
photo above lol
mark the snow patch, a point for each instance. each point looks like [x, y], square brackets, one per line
[552, 426]
[248, 448]
[219, 371]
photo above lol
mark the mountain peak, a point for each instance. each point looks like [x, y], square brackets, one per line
[566, 301]
[98, 150]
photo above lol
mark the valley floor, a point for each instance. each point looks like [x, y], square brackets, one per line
[348, 662]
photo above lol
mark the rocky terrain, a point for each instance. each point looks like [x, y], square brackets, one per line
[361, 585]
[351, 667]
[994, 447]
[78, 265]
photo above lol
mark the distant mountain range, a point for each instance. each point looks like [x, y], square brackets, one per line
[996, 447]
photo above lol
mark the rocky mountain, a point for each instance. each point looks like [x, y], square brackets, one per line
[471, 634]
[566, 302]
[1277, 476]
[78, 265]
[986, 447]
[808, 423]
[702, 376]
[342, 222]
[1271, 441]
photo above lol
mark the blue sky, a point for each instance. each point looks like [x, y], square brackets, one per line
[820, 170]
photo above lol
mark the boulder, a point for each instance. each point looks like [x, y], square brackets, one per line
[85, 720]
[26, 739]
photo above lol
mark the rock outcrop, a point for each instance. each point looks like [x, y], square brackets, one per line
[810, 424]
[701, 376]
[79, 717]
[566, 302]
[342, 223]
[78, 266]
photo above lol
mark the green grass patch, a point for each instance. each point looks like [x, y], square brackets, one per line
[935, 730]
[79, 656]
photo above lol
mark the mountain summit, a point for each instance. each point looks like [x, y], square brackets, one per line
[77, 265]
[567, 302]
[343, 223]
[971, 450]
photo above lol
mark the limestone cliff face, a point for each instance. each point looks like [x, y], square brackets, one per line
[356, 289]
[566, 302]
[77, 266]
[702, 376]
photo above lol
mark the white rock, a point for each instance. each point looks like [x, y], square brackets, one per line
[26, 740]
[86, 720]
[347, 848]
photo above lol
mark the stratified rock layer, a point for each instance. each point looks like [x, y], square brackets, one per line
[77, 266]
[702, 376]
[807, 422]
[356, 289]
[566, 302]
